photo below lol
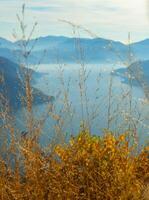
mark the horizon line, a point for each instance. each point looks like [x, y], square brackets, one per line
[71, 37]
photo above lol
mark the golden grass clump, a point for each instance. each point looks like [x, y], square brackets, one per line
[88, 167]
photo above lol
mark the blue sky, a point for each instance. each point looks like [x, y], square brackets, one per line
[106, 18]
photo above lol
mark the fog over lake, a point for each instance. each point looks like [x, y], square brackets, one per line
[102, 90]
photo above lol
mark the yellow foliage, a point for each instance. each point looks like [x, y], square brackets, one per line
[88, 167]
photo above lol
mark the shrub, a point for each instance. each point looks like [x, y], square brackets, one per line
[88, 167]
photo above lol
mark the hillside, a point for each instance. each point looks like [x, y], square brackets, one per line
[73, 49]
[13, 84]
[6, 43]
[141, 49]
[53, 49]
[139, 71]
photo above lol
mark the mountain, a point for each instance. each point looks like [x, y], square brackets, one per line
[139, 71]
[10, 54]
[6, 44]
[141, 49]
[12, 85]
[54, 49]
[72, 50]
[43, 43]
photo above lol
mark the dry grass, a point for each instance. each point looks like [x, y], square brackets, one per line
[88, 167]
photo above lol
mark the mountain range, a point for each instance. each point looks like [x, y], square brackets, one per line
[55, 49]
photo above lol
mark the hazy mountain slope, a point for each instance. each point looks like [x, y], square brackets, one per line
[8, 53]
[138, 70]
[141, 49]
[53, 49]
[43, 43]
[6, 44]
[16, 56]
[13, 87]
[58, 48]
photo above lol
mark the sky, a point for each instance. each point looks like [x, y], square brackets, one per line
[112, 19]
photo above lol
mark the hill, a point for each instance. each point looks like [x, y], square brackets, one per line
[72, 50]
[53, 49]
[6, 43]
[139, 71]
[12, 85]
[141, 49]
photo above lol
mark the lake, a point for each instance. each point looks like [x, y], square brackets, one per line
[88, 92]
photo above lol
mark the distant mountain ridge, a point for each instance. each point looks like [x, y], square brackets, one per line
[4, 43]
[53, 49]
[141, 49]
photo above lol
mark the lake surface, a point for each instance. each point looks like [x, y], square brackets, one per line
[92, 94]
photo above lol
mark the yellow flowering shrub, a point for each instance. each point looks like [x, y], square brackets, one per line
[88, 167]
[101, 168]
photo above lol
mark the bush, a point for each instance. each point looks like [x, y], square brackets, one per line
[89, 167]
